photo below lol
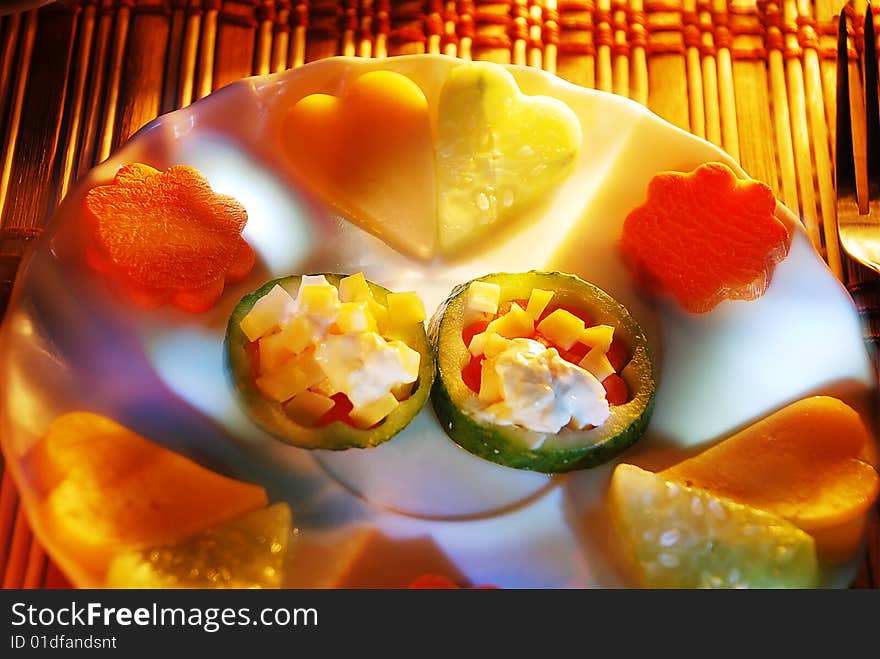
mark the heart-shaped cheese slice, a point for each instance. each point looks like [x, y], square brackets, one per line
[498, 151]
[368, 153]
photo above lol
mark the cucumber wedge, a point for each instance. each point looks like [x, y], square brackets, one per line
[509, 445]
[270, 416]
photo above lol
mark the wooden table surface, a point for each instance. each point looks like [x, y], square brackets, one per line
[78, 77]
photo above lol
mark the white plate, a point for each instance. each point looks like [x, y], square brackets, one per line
[67, 344]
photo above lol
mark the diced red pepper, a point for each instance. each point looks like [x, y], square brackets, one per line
[472, 374]
[472, 330]
[341, 411]
[616, 391]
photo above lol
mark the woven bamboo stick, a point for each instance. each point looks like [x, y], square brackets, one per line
[638, 56]
[281, 37]
[711, 101]
[825, 12]
[799, 126]
[667, 73]
[519, 30]
[694, 69]
[449, 16]
[576, 60]
[604, 38]
[19, 547]
[204, 77]
[35, 569]
[822, 148]
[8, 506]
[236, 42]
[536, 34]
[782, 122]
[95, 88]
[33, 156]
[174, 50]
[407, 35]
[117, 52]
[299, 24]
[434, 27]
[322, 19]
[265, 36]
[726, 94]
[10, 31]
[75, 108]
[17, 97]
[620, 48]
[189, 52]
[492, 22]
[142, 79]
[754, 125]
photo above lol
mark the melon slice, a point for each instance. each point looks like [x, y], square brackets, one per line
[801, 463]
[683, 537]
[498, 151]
[246, 553]
[107, 488]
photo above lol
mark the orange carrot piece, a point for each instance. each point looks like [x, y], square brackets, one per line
[705, 236]
[166, 237]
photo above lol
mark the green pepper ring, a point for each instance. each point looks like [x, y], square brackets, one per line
[270, 416]
[508, 445]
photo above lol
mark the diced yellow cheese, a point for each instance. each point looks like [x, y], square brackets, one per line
[403, 390]
[294, 376]
[596, 362]
[355, 289]
[538, 301]
[273, 352]
[405, 309]
[372, 413]
[490, 385]
[515, 324]
[479, 342]
[598, 336]
[380, 314]
[495, 344]
[353, 317]
[483, 296]
[500, 411]
[562, 327]
[409, 359]
[318, 299]
[298, 334]
[267, 313]
[314, 280]
[477, 346]
[307, 407]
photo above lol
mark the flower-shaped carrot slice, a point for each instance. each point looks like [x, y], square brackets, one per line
[705, 236]
[167, 237]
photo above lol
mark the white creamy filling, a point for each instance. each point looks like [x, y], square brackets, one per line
[542, 392]
[363, 365]
[366, 367]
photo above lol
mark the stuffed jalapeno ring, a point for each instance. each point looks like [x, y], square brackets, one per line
[540, 371]
[329, 361]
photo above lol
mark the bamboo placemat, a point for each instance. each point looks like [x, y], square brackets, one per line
[78, 77]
